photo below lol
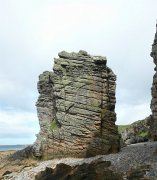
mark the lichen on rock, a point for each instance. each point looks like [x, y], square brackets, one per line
[78, 98]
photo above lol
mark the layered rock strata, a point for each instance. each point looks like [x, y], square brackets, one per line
[76, 108]
[153, 128]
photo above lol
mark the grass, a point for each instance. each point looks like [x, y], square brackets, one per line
[122, 128]
[143, 134]
[138, 122]
[53, 125]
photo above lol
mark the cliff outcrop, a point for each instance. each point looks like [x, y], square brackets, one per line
[136, 132]
[153, 128]
[76, 108]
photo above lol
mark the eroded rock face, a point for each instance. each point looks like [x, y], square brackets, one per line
[98, 170]
[153, 129]
[76, 108]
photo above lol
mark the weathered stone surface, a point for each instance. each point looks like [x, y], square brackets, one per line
[137, 161]
[96, 170]
[153, 129]
[141, 172]
[76, 108]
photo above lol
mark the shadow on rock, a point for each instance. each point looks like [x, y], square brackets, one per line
[98, 170]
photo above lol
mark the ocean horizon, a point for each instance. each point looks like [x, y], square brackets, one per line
[12, 147]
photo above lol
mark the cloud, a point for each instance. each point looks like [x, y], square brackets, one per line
[17, 125]
[17, 95]
[33, 32]
[127, 114]
[57, 20]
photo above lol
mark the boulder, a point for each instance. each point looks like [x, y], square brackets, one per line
[97, 170]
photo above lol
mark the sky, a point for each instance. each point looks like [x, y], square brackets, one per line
[33, 32]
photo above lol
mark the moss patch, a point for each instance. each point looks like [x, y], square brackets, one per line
[143, 134]
[53, 125]
[139, 123]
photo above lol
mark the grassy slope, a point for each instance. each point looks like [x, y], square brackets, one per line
[122, 128]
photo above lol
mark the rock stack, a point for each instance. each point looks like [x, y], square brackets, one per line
[76, 108]
[153, 129]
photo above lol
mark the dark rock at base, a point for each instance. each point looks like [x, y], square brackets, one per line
[141, 173]
[22, 154]
[6, 173]
[96, 170]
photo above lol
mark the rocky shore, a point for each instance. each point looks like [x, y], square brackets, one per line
[138, 161]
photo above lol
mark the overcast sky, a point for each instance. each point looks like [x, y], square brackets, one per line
[32, 32]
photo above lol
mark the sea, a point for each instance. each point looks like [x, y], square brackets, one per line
[12, 147]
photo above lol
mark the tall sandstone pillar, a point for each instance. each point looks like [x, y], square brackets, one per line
[76, 108]
[153, 131]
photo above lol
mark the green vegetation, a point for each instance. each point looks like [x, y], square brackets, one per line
[53, 125]
[122, 128]
[138, 122]
[143, 134]
[138, 127]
